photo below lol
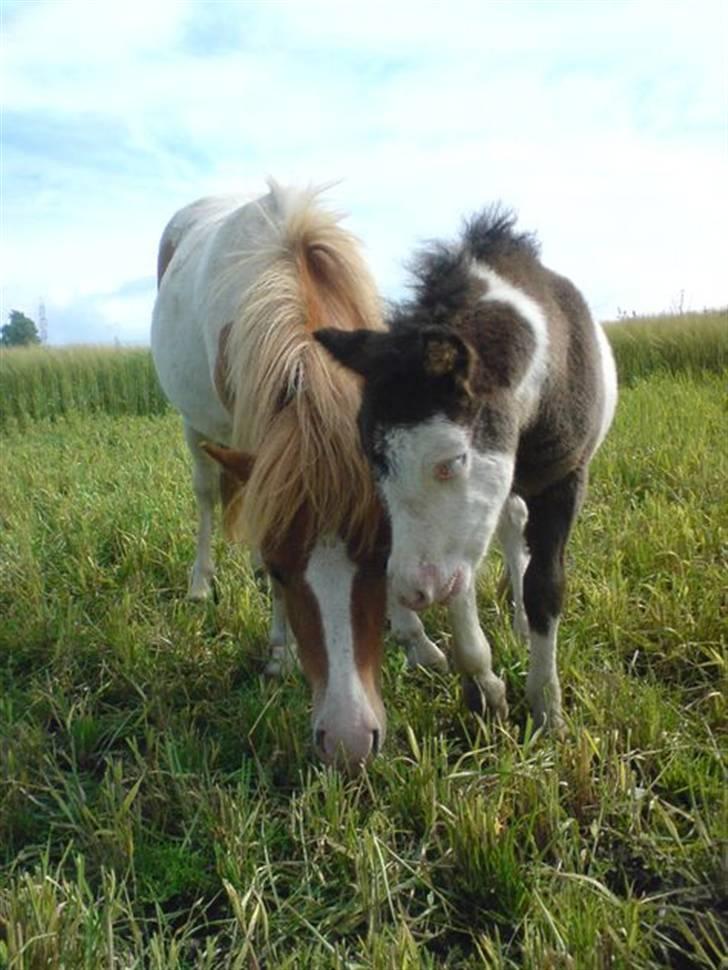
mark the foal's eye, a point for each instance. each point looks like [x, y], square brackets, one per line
[445, 470]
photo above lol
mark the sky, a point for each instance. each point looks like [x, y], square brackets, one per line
[603, 123]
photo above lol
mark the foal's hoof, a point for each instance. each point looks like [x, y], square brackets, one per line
[545, 704]
[426, 654]
[482, 698]
[552, 724]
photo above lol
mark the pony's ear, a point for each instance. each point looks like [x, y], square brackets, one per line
[446, 354]
[238, 463]
[359, 350]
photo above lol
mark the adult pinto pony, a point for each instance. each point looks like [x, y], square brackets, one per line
[481, 410]
[270, 422]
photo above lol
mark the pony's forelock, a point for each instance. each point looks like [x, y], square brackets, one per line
[304, 430]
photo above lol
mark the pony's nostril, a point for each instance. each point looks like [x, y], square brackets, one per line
[319, 739]
[375, 742]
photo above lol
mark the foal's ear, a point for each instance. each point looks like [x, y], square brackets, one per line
[359, 350]
[445, 354]
[238, 463]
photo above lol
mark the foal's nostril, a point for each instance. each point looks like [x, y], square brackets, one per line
[319, 739]
[416, 600]
[375, 742]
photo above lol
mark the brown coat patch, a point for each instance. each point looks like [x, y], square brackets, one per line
[220, 374]
[286, 558]
[504, 344]
[369, 608]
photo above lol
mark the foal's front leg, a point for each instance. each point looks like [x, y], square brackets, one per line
[550, 516]
[471, 652]
[407, 628]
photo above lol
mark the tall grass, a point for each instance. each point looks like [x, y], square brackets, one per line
[688, 343]
[53, 382]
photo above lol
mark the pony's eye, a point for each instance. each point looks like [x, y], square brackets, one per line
[275, 575]
[445, 470]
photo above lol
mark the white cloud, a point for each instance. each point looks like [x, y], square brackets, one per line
[603, 124]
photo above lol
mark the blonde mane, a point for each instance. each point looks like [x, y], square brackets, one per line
[292, 405]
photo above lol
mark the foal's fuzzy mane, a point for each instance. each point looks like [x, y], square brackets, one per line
[492, 232]
[442, 281]
[303, 405]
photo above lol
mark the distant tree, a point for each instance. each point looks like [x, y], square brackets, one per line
[19, 331]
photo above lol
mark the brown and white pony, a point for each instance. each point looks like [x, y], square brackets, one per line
[270, 421]
[481, 410]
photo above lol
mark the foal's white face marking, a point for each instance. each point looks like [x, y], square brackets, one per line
[346, 713]
[444, 498]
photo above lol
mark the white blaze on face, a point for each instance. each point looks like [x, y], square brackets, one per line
[346, 713]
[444, 499]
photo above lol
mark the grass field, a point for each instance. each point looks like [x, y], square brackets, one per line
[54, 382]
[159, 804]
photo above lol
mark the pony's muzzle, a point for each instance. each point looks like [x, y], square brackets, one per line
[348, 748]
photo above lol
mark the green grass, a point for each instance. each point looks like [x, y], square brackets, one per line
[53, 382]
[159, 804]
[692, 343]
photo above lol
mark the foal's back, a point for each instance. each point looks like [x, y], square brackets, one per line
[571, 401]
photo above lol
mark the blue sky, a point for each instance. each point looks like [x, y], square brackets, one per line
[604, 123]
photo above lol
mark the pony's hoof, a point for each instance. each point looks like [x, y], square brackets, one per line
[202, 587]
[280, 663]
[485, 698]
[200, 592]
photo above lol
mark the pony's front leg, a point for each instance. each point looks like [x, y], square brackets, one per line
[408, 630]
[482, 689]
[281, 653]
[206, 484]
